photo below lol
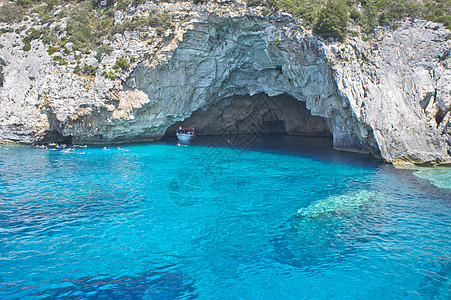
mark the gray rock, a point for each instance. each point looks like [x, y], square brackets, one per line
[390, 98]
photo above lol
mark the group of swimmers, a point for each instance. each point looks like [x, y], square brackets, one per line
[55, 146]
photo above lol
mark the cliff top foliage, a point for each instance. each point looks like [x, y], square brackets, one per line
[90, 24]
[330, 18]
[91, 20]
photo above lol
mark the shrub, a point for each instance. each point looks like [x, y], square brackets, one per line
[77, 69]
[332, 21]
[45, 18]
[11, 13]
[52, 50]
[121, 64]
[26, 47]
[26, 40]
[89, 70]
[354, 14]
[111, 75]
[33, 33]
[62, 62]
[103, 49]
[122, 4]
[253, 3]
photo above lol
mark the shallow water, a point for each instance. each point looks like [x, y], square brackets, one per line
[250, 218]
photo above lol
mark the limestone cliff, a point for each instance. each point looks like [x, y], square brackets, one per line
[390, 96]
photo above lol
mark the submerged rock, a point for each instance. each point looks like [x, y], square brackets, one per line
[347, 203]
[390, 97]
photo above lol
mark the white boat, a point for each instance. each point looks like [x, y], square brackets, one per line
[185, 135]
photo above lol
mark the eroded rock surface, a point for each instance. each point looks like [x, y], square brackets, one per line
[389, 97]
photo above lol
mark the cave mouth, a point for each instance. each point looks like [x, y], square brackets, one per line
[54, 136]
[257, 114]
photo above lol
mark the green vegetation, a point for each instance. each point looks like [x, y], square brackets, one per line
[103, 49]
[88, 70]
[51, 50]
[62, 62]
[121, 64]
[354, 14]
[11, 13]
[27, 47]
[89, 22]
[111, 75]
[366, 13]
[332, 21]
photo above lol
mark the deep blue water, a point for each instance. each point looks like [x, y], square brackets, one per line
[263, 218]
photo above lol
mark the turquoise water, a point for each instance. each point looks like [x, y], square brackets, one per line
[287, 218]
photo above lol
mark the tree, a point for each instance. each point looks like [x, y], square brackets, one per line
[332, 21]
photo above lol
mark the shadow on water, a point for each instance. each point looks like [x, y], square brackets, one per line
[146, 285]
[317, 148]
[437, 281]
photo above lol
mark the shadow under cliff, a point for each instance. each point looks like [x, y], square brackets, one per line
[257, 114]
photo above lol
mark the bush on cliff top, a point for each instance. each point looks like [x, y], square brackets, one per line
[332, 21]
[11, 13]
[366, 13]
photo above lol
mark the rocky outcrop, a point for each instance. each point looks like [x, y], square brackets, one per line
[389, 97]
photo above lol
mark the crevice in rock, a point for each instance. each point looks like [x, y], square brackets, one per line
[257, 114]
[2, 77]
[438, 119]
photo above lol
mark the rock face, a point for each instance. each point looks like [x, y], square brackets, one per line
[390, 97]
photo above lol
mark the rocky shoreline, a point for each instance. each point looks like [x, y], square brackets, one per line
[389, 96]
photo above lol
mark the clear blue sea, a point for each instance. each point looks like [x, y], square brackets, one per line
[234, 218]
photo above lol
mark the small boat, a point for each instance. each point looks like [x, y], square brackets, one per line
[185, 135]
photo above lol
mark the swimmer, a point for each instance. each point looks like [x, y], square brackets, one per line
[105, 148]
[81, 152]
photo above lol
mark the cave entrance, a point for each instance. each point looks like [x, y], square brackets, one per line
[257, 114]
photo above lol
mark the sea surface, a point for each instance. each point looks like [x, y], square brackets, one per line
[239, 217]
